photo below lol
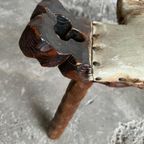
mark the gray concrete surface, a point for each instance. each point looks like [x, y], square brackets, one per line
[30, 94]
[129, 133]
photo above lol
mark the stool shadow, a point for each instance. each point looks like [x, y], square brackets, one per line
[34, 102]
[42, 115]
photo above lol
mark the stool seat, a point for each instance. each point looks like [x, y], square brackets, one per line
[118, 53]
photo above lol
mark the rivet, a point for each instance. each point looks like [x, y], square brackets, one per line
[98, 78]
[122, 79]
[96, 63]
[96, 35]
[96, 48]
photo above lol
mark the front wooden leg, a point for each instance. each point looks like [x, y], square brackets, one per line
[70, 102]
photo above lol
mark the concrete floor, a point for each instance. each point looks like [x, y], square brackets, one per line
[30, 94]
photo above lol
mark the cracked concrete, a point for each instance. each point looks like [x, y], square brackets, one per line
[30, 94]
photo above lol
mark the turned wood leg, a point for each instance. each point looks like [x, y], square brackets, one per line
[70, 102]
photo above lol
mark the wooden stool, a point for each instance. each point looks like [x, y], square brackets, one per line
[86, 52]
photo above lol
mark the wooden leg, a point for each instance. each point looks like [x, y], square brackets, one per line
[70, 102]
[130, 11]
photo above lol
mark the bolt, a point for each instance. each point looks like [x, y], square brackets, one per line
[65, 31]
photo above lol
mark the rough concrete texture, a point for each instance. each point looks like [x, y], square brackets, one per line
[30, 94]
[101, 10]
[129, 133]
